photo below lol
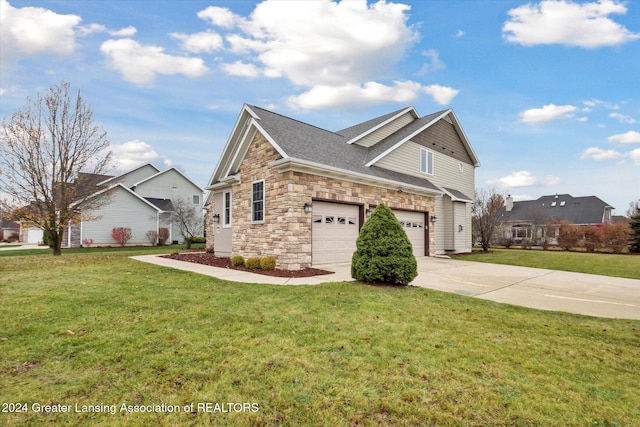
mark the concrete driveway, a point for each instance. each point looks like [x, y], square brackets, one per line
[578, 293]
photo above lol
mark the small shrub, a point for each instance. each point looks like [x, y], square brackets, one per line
[87, 242]
[152, 236]
[237, 260]
[121, 235]
[383, 251]
[568, 235]
[252, 263]
[163, 236]
[268, 263]
[616, 236]
[593, 237]
[198, 239]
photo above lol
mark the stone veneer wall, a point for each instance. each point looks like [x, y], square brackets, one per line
[286, 231]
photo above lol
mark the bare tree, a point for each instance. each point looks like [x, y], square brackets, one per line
[189, 219]
[44, 147]
[485, 215]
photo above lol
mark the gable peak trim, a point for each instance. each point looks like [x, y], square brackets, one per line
[384, 123]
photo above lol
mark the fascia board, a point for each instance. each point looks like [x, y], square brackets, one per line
[386, 122]
[298, 165]
[407, 138]
[165, 171]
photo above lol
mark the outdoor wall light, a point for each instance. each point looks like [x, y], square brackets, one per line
[434, 219]
[216, 218]
[460, 228]
[308, 208]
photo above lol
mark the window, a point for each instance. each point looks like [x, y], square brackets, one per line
[426, 161]
[553, 204]
[227, 208]
[195, 199]
[562, 203]
[257, 202]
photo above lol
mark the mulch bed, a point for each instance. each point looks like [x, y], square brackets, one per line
[224, 262]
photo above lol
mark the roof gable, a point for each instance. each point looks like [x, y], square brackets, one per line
[131, 176]
[117, 187]
[311, 146]
[165, 172]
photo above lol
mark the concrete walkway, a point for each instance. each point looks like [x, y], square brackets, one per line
[543, 289]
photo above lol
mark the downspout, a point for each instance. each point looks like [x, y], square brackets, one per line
[157, 226]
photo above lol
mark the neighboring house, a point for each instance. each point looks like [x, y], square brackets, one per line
[141, 199]
[9, 231]
[530, 219]
[301, 193]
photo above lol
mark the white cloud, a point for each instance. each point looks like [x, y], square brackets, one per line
[242, 69]
[631, 137]
[206, 41]
[585, 25]
[515, 179]
[140, 64]
[130, 154]
[622, 118]
[635, 156]
[441, 94]
[30, 31]
[596, 153]
[434, 63]
[220, 16]
[85, 30]
[355, 95]
[325, 47]
[547, 113]
[459, 33]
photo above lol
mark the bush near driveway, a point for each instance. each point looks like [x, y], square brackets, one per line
[384, 252]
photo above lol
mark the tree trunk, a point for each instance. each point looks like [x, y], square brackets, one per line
[55, 243]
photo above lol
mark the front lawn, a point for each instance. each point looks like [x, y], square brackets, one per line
[579, 262]
[101, 329]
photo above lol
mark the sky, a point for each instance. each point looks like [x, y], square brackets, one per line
[547, 92]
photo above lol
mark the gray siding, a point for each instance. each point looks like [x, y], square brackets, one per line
[134, 176]
[169, 185]
[123, 210]
[380, 134]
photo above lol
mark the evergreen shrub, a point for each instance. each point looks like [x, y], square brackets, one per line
[383, 251]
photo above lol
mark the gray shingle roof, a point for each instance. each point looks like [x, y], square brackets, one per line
[162, 204]
[563, 207]
[306, 142]
[353, 131]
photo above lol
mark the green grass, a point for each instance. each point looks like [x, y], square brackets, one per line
[579, 262]
[101, 329]
[94, 250]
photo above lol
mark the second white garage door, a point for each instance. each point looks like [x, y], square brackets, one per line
[334, 231]
[414, 225]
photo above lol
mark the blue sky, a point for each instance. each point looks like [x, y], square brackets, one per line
[547, 92]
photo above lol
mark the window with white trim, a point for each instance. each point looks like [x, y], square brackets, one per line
[227, 209]
[257, 201]
[426, 161]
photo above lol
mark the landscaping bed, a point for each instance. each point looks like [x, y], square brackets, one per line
[224, 262]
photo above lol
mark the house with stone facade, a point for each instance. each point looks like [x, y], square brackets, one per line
[289, 189]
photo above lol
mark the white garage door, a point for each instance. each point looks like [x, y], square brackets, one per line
[413, 224]
[34, 235]
[334, 231]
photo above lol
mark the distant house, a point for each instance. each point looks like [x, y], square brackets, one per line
[140, 199]
[529, 219]
[9, 231]
[301, 193]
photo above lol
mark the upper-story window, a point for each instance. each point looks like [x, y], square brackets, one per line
[257, 201]
[226, 221]
[195, 199]
[426, 161]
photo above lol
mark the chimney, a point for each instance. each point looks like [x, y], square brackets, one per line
[508, 204]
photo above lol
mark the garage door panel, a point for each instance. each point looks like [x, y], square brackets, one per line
[334, 232]
[414, 225]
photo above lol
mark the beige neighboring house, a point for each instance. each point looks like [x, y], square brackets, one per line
[289, 189]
